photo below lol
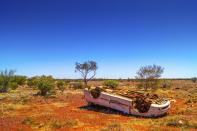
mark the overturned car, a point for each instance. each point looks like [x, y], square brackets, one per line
[133, 103]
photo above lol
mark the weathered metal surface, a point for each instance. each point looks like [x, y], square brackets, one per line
[125, 104]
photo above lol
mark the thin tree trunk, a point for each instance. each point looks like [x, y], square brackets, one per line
[85, 83]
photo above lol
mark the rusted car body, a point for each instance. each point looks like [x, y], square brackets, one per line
[125, 104]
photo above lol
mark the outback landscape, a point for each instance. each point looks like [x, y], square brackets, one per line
[98, 65]
[45, 103]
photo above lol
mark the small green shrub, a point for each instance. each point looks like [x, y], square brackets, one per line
[13, 85]
[20, 80]
[111, 83]
[6, 78]
[45, 84]
[61, 85]
[32, 82]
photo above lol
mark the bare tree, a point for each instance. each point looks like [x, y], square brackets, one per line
[87, 70]
[149, 75]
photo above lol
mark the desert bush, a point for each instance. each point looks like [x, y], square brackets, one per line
[166, 84]
[61, 85]
[77, 85]
[13, 85]
[111, 83]
[32, 82]
[194, 79]
[20, 80]
[6, 78]
[191, 99]
[148, 76]
[45, 84]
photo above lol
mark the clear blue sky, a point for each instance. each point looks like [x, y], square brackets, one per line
[49, 36]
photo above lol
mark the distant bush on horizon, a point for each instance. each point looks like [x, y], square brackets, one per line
[111, 83]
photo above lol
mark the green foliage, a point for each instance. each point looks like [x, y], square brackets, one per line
[111, 83]
[32, 82]
[61, 85]
[45, 84]
[13, 85]
[20, 80]
[6, 78]
[194, 79]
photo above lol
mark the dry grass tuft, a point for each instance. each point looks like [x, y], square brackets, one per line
[113, 127]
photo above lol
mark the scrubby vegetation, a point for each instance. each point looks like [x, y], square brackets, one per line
[20, 80]
[61, 85]
[20, 108]
[111, 83]
[148, 75]
[77, 85]
[45, 84]
[32, 82]
[13, 85]
[23, 105]
[112, 127]
[166, 84]
[6, 78]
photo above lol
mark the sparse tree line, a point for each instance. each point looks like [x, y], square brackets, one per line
[146, 76]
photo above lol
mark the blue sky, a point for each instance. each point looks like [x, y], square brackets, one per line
[49, 36]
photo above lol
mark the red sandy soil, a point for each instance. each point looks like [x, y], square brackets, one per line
[72, 106]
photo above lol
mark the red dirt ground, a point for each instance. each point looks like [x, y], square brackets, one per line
[74, 107]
